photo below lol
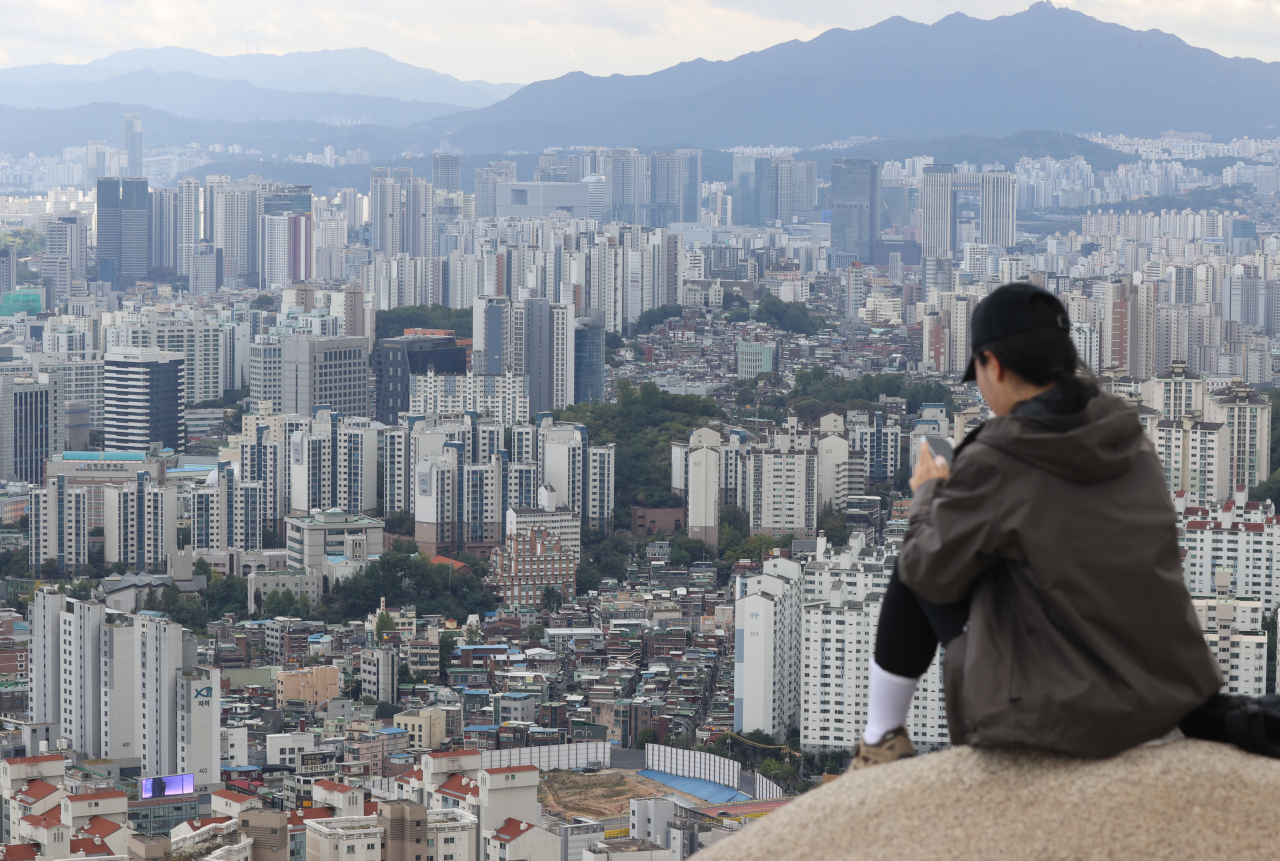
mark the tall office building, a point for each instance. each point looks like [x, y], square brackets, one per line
[690, 184]
[548, 353]
[784, 167]
[588, 364]
[804, 186]
[135, 230]
[107, 204]
[132, 145]
[999, 201]
[666, 188]
[124, 214]
[752, 189]
[446, 172]
[324, 371]
[855, 207]
[144, 392]
[938, 220]
[95, 162]
[33, 425]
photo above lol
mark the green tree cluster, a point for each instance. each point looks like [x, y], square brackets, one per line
[648, 320]
[223, 594]
[831, 521]
[392, 323]
[788, 316]
[642, 423]
[286, 604]
[817, 393]
[24, 241]
[404, 578]
[399, 523]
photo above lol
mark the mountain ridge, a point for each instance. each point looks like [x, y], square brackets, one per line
[348, 71]
[894, 79]
[201, 98]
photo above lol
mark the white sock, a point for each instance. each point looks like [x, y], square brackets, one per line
[888, 702]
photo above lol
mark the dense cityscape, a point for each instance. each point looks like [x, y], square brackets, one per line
[541, 504]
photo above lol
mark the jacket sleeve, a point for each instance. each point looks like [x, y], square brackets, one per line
[956, 529]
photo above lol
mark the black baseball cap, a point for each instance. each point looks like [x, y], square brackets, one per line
[1014, 309]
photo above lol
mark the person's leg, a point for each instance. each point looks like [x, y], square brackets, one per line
[907, 638]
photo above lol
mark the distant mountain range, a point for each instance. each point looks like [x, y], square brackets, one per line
[1045, 68]
[903, 82]
[201, 98]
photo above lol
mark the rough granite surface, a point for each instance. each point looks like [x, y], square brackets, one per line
[1188, 799]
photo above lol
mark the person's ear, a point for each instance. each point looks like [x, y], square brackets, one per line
[994, 368]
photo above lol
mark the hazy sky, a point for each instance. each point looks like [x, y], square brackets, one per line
[527, 40]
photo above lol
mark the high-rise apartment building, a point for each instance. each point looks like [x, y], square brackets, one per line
[333, 463]
[165, 223]
[1246, 415]
[235, 226]
[66, 252]
[60, 513]
[227, 512]
[999, 201]
[767, 671]
[190, 215]
[486, 186]
[143, 399]
[141, 523]
[205, 269]
[534, 339]
[287, 253]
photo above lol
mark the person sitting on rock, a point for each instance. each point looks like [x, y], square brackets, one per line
[1044, 559]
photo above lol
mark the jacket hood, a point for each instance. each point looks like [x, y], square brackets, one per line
[1099, 443]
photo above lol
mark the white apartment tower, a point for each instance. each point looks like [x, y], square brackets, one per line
[767, 622]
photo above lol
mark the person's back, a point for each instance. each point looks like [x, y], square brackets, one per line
[1081, 634]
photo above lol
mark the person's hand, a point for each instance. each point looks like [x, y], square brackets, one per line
[928, 467]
